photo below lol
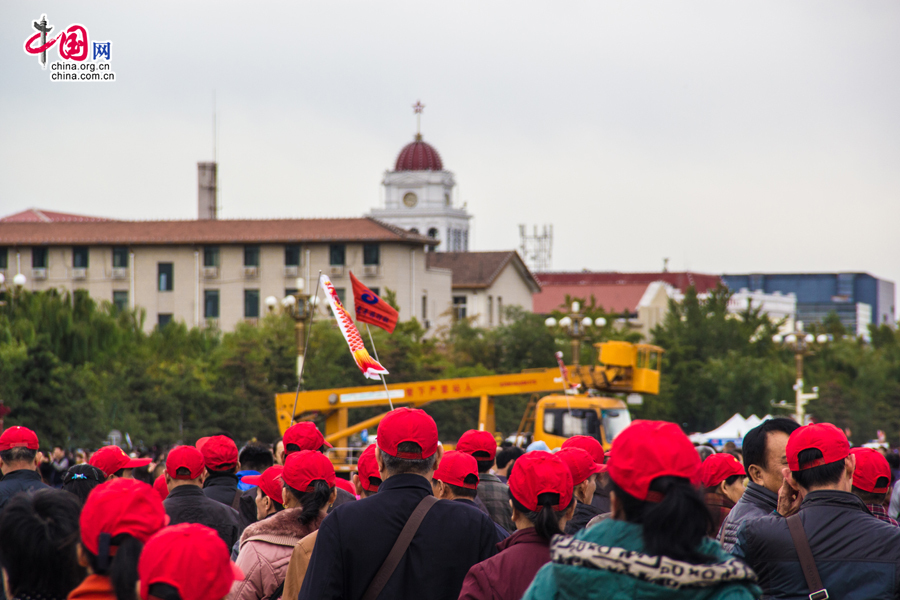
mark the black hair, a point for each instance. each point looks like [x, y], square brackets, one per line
[81, 479]
[870, 497]
[256, 457]
[183, 473]
[728, 481]
[122, 569]
[143, 474]
[163, 591]
[753, 448]
[311, 501]
[462, 492]
[39, 541]
[18, 454]
[545, 518]
[676, 525]
[893, 460]
[827, 474]
[291, 448]
[508, 454]
[484, 465]
[397, 466]
[213, 473]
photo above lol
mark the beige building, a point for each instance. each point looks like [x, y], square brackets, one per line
[219, 272]
[484, 283]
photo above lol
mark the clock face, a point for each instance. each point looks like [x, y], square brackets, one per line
[410, 199]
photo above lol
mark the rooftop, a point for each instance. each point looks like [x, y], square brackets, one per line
[679, 280]
[479, 269]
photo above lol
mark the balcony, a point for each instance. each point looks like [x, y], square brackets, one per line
[371, 270]
[79, 273]
[39, 273]
[210, 272]
[120, 273]
[291, 270]
[251, 272]
[337, 270]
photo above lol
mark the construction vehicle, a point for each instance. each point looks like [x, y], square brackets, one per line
[621, 368]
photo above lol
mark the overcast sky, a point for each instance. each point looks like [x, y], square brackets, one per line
[729, 137]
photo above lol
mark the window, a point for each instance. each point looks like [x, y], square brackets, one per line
[371, 254]
[337, 254]
[80, 257]
[566, 423]
[433, 233]
[39, 258]
[4, 257]
[614, 422]
[210, 256]
[500, 309]
[166, 277]
[211, 304]
[292, 256]
[251, 256]
[424, 307]
[251, 304]
[376, 291]
[414, 230]
[120, 300]
[459, 307]
[289, 292]
[163, 319]
[490, 310]
[120, 257]
[341, 294]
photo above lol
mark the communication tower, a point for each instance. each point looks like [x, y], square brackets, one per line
[536, 248]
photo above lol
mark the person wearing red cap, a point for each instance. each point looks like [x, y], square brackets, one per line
[367, 478]
[186, 503]
[722, 478]
[354, 541]
[19, 461]
[456, 478]
[118, 518]
[113, 461]
[220, 456]
[186, 562]
[491, 491]
[872, 480]
[856, 556]
[306, 436]
[590, 445]
[655, 544]
[541, 495]
[161, 487]
[584, 477]
[308, 489]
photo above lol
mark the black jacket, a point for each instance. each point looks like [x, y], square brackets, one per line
[19, 481]
[188, 504]
[756, 502]
[354, 540]
[601, 500]
[858, 556]
[222, 489]
[583, 514]
[502, 534]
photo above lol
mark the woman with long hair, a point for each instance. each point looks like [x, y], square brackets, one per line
[80, 479]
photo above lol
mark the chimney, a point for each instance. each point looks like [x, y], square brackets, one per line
[207, 208]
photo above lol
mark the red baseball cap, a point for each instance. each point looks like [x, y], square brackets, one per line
[187, 457]
[589, 445]
[199, 443]
[719, 467]
[580, 463]
[367, 469]
[871, 465]
[270, 482]
[18, 436]
[121, 506]
[219, 453]
[302, 468]
[458, 468]
[190, 557]
[110, 459]
[408, 425]
[159, 484]
[537, 473]
[824, 437]
[306, 435]
[646, 450]
[479, 444]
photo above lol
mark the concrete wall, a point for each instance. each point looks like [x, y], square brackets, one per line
[508, 289]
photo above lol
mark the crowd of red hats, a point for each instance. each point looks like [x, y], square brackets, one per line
[501, 522]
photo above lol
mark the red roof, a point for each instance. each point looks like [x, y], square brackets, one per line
[613, 297]
[418, 156]
[679, 280]
[36, 215]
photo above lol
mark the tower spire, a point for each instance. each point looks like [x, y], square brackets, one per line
[418, 107]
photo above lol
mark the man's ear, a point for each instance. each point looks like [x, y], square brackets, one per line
[379, 460]
[82, 556]
[438, 455]
[754, 472]
[850, 466]
[357, 484]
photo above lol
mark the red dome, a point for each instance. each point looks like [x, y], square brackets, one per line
[418, 156]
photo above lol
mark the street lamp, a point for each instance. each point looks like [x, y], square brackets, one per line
[575, 325]
[18, 283]
[300, 307]
[801, 343]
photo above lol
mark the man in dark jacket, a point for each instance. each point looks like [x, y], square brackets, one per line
[186, 502]
[457, 479]
[355, 539]
[19, 460]
[764, 460]
[857, 557]
[584, 476]
[220, 455]
[491, 491]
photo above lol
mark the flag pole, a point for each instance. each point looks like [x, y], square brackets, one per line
[375, 350]
[312, 314]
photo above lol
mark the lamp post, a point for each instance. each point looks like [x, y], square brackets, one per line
[801, 344]
[18, 281]
[300, 307]
[575, 325]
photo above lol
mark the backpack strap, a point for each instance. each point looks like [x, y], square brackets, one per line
[396, 554]
[817, 591]
[236, 503]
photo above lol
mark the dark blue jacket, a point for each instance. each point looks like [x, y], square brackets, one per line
[858, 556]
[756, 502]
[502, 534]
[19, 481]
[355, 538]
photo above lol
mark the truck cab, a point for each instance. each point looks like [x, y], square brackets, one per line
[559, 417]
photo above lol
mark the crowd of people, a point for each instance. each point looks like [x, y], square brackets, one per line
[794, 513]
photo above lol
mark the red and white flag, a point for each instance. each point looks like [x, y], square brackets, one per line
[370, 367]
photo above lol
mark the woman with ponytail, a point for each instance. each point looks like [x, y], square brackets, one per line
[542, 501]
[655, 545]
[117, 519]
[291, 503]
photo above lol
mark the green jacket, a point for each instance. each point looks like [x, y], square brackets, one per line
[605, 562]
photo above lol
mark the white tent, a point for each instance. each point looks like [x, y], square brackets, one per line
[732, 430]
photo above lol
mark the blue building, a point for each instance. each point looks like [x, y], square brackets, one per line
[858, 298]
